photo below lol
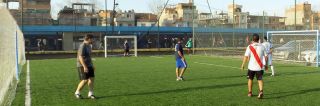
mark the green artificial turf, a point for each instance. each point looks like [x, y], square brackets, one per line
[139, 81]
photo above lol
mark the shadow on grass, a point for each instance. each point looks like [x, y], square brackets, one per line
[220, 77]
[178, 90]
[291, 66]
[292, 93]
[298, 73]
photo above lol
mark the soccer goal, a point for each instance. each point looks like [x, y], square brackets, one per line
[115, 45]
[295, 46]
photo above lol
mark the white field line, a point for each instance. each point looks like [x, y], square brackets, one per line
[156, 56]
[28, 95]
[228, 57]
[217, 65]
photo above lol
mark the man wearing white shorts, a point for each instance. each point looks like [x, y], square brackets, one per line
[269, 47]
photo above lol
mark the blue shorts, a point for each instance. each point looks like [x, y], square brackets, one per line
[180, 63]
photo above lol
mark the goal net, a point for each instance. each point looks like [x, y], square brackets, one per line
[115, 45]
[12, 56]
[295, 46]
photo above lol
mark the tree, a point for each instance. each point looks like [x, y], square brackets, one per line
[156, 6]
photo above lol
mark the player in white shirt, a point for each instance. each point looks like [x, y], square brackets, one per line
[255, 53]
[269, 47]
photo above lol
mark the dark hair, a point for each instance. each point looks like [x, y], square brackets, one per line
[88, 36]
[255, 37]
[265, 38]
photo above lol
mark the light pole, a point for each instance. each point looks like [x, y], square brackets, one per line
[113, 15]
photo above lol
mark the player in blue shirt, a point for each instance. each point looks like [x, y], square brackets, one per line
[181, 64]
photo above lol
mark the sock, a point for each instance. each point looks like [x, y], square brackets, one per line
[260, 91]
[90, 93]
[272, 70]
[77, 92]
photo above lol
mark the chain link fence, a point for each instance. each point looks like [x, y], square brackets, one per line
[295, 46]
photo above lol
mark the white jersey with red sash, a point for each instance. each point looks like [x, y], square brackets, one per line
[256, 53]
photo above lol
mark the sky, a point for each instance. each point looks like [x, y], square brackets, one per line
[256, 7]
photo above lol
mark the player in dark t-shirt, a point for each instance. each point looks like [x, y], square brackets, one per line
[126, 48]
[84, 51]
[85, 67]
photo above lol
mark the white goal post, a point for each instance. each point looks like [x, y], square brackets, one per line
[296, 45]
[121, 37]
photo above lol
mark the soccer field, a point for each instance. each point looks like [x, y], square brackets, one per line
[139, 81]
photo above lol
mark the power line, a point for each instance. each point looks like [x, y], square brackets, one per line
[158, 18]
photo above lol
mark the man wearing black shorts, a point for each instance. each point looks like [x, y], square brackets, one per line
[126, 47]
[85, 67]
[255, 53]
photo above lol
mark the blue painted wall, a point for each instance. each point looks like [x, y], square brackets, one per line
[54, 29]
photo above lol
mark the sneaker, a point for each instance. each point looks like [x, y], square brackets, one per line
[249, 94]
[181, 78]
[272, 75]
[92, 97]
[78, 96]
[260, 96]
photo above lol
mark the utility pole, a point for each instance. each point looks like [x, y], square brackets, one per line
[263, 23]
[240, 20]
[21, 15]
[295, 14]
[113, 15]
[106, 15]
[311, 21]
[233, 21]
[193, 36]
[158, 35]
[7, 4]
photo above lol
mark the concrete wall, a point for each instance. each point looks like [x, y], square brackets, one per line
[67, 41]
